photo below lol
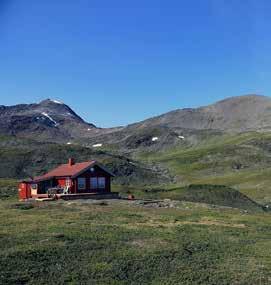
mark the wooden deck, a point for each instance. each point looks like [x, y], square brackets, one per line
[96, 196]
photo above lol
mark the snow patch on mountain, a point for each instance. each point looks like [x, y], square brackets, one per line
[50, 118]
[57, 102]
[97, 145]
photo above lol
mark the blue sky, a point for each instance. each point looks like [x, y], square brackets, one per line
[117, 62]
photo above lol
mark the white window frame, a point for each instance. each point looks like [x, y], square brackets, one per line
[68, 182]
[80, 182]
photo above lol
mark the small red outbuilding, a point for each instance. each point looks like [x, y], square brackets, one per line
[71, 178]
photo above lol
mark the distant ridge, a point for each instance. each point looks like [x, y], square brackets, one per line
[235, 114]
[53, 120]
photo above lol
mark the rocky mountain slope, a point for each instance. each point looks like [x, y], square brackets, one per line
[187, 127]
[236, 114]
[54, 121]
[49, 120]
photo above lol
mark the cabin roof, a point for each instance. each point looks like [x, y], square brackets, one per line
[68, 170]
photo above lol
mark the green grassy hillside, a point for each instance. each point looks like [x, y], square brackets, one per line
[21, 158]
[8, 189]
[216, 195]
[242, 161]
[201, 193]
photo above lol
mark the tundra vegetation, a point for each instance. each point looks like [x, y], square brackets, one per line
[134, 242]
[203, 214]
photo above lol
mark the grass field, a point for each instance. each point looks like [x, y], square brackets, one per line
[8, 188]
[196, 240]
[124, 243]
[241, 161]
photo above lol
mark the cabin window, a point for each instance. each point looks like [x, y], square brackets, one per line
[68, 182]
[81, 183]
[93, 183]
[101, 182]
[97, 182]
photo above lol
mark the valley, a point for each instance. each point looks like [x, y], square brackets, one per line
[201, 213]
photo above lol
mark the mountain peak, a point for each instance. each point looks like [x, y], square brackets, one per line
[51, 101]
[245, 98]
[50, 119]
[250, 112]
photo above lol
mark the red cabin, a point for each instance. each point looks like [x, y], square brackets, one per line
[67, 180]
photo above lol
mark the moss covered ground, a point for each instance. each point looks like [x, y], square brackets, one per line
[123, 243]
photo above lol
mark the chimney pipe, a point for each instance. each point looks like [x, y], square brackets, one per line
[71, 161]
